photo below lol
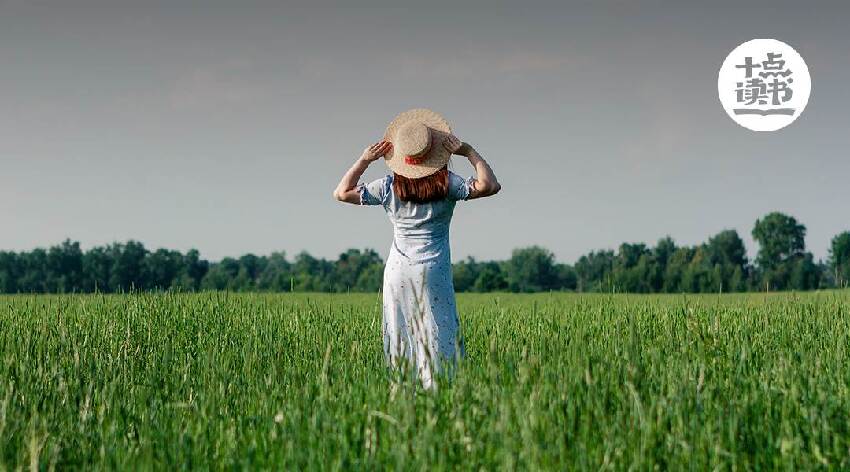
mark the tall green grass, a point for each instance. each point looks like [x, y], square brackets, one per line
[550, 381]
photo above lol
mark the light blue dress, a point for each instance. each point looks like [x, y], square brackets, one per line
[420, 322]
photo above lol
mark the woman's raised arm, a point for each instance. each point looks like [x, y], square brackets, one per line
[346, 190]
[485, 183]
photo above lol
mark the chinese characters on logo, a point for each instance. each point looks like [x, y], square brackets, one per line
[764, 85]
[770, 86]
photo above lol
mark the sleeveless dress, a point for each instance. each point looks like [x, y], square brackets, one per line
[420, 322]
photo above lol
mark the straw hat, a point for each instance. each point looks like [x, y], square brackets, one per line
[417, 136]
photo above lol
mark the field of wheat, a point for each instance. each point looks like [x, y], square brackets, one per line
[550, 381]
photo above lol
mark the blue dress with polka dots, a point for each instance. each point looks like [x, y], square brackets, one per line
[420, 321]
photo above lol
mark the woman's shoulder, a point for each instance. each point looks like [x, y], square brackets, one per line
[455, 178]
[384, 181]
[388, 182]
[459, 187]
[377, 191]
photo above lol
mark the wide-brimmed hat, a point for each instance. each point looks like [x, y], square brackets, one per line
[417, 136]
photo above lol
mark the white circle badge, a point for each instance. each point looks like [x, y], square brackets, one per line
[764, 85]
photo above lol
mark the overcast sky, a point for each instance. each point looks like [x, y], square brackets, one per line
[226, 129]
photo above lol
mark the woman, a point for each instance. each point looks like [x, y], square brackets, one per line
[420, 316]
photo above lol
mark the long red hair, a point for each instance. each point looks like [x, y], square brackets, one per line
[424, 189]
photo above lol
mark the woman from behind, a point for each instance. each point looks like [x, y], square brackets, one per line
[420, 320]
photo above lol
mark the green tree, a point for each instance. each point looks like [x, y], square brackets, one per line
[371, 278]
[804, 273]
[97, 269]
[635, 269]
[34, 276]
[65, 267]
[839, 258]
[567, 278]
[727, 248]
[699, 275]
[11, 269]
[531, 269]
[192, 271]
[222, 276]
[491, 278]
[351, 265]
[248, 269]
[277, 275]
[727, 256]
[675, 280]
[128, 266]
[464, 274]
[781, 241]
[163, 268]
[311, 274]
[593, 271]
[664, 250]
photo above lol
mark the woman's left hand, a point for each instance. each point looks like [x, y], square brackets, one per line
[452, 144]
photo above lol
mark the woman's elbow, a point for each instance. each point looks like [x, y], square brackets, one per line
[338, 196]
[492, 189]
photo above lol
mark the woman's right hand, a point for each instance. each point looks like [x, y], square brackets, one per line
[373, 152]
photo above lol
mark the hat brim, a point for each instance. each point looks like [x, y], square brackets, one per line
[436, 157]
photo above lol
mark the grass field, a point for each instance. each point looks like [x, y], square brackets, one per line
[550, 381]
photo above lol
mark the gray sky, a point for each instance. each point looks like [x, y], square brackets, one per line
[227, 128]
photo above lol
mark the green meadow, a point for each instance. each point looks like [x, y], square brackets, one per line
[550, 381]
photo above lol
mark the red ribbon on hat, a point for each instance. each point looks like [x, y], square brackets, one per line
[414, 160]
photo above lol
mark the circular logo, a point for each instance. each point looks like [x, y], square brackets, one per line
[764, 85]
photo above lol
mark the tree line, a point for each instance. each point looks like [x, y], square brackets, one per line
[717, 265]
